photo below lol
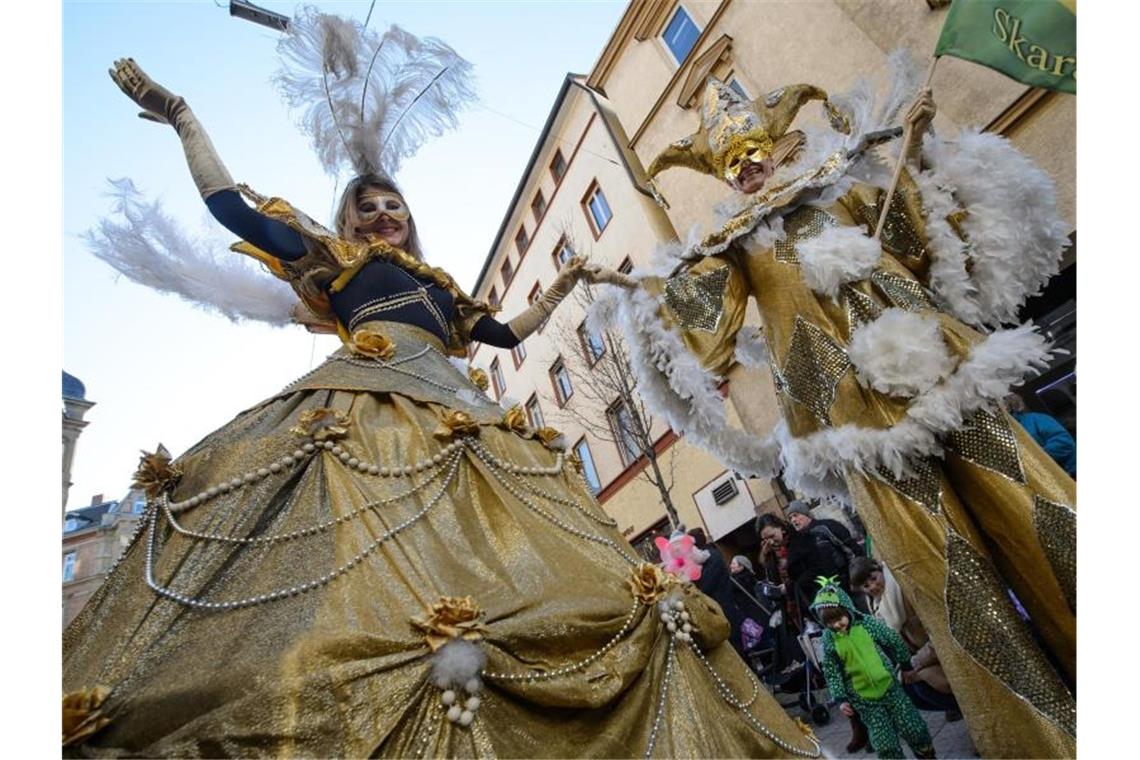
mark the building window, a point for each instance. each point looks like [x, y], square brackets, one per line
[735, 85]
[621, 423]
[538, 206]
[68, 567]
[521, 241]
[562, 253]
[599, 209]
[589, 471]
[534, 413]
[592, 343]
[534, 295]
[560, 379]
[681, 34]
[508, 272]
[139, 505]
[497, 379]
[626, 266]
[558, 167]
[70, 524]
[518, 354]
[493, 298]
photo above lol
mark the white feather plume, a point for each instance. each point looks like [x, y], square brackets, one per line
[456, 663]
[368, 100]
[147, 246]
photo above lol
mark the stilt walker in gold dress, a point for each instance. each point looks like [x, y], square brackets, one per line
[379, 560]
[889, 360]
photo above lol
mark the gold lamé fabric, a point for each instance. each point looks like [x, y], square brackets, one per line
[342, 670]
[994, 502]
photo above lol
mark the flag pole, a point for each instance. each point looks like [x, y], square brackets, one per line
[907, 136]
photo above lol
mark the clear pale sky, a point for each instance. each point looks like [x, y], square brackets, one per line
[158, 368]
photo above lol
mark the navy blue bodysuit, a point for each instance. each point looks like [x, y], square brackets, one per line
[381, 290]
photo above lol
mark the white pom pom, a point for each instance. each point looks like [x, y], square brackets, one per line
[456, 663]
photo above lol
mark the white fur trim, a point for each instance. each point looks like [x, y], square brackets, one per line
[751, 348]
[900, 353]
[1015, 233]
[839, 255]
[456, 663]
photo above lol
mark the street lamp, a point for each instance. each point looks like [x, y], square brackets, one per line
[251, 12]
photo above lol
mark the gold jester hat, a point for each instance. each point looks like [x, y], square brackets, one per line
[734, 130]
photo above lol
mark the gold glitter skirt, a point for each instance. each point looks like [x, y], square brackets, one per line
[266, 608]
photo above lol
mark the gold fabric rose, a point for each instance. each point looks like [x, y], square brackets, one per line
[82, 715]
[479, 377]
[373, 344]
[454, 422]
[648, 582]
[515, 419]
[452, 617]
[322, 425]
[551, 438]
[155, 473]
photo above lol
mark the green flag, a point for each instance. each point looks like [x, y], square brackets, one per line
[1032, 41]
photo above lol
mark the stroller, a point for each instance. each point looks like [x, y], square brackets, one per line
[788, 660]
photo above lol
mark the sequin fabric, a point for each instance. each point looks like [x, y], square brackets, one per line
[987, 440]
[814, 366]
[924, 488]
[1057, 531]
[861, 308]
[697, 301]
[983, 620]
[899, 236]
[804, 223]
[902, 291]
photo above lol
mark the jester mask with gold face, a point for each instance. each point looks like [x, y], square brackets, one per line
[735, 132]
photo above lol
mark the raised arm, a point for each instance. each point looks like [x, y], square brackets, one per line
[213, 181]
[508, 335]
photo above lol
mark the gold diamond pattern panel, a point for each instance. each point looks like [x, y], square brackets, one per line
[925, 488]
[982, 619]
[802, 224]
[987, 441]
[813, 368]
[899, 236]
[1057, 531]
[861, 308]
[697, 301]
[902, 291]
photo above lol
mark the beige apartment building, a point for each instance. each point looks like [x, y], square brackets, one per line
[93, 538]
[584, 191]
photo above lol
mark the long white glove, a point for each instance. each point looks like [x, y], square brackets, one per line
[575, 269]
[162, 106]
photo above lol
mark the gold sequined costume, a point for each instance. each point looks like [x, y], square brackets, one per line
[302, 574]
[888, 399]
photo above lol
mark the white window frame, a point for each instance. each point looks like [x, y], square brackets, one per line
[69, 568]
[700, 30]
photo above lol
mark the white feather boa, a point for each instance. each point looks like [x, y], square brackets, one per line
[900, 353]
[835, 257]
[673, 384]
[1014, 231]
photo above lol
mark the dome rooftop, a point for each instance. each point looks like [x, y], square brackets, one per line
[73, 388]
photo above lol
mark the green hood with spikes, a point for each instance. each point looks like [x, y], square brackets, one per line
[831, 594]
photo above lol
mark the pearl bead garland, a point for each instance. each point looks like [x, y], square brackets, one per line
[659, 717]
[323, 580]
[573, 667]
[479, 451]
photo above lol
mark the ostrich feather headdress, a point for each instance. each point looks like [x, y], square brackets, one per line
[368, 100]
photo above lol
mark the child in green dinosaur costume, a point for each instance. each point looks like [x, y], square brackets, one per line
[859, 657]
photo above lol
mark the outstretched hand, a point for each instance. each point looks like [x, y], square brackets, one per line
[577, 268]
[157, 102]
